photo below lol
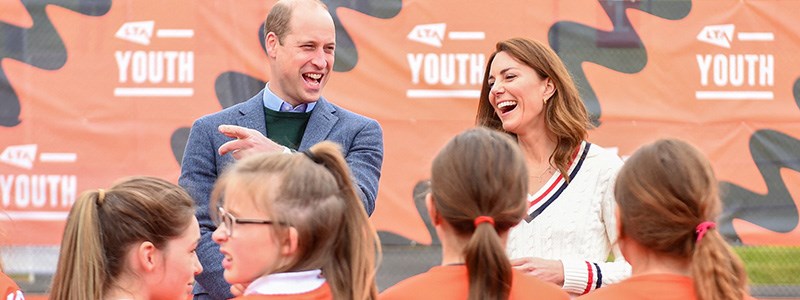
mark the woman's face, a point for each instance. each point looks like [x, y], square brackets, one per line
[176, 280]
[252, 250]
[517, 93]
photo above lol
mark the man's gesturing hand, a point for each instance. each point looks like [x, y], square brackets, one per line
[247, 142]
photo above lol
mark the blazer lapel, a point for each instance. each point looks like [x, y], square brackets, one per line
[319, 125]
[252, 113]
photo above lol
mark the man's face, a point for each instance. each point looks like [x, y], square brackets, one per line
[302, 64]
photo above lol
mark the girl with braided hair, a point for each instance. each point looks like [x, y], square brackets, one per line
[667, 202]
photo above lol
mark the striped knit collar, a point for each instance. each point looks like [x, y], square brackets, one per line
[556, 185]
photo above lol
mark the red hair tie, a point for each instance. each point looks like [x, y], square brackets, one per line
[702, 228]
[484, 219]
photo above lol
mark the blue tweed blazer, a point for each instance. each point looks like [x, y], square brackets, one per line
[361, 139]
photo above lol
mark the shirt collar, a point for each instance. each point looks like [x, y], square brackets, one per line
[273, 102]
[286, 283]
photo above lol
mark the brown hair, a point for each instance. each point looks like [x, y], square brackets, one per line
[103, 224]
[481, 172]
[565, 113]
[280, 16]
[666, 189]
[317, 197]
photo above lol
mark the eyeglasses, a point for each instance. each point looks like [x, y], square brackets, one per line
[226, 218]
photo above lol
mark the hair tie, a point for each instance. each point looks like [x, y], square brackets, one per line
[101, 196]
[312, 156]
[702, 228]
[484, 219]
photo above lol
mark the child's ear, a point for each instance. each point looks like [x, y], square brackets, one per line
[436, 219]
[146, 256]
[620, 233]
[289, 243]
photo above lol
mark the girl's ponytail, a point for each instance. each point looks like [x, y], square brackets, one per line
[717, 271]
[352, 274]
[488, 268]
[81, 270]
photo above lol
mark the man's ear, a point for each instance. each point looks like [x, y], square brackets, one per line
[147, 256]
[436, 219]
[271, 42]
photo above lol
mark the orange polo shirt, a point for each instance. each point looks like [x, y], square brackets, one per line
[649, 287]
[452, 282]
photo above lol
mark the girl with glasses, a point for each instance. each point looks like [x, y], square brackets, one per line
[668, 200]
[478, 187]
[291, 226]
[135, 240]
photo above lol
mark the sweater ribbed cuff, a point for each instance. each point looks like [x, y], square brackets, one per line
[576, 277]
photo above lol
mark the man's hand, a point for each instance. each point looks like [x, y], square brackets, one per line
[544, 269]
[247, 142]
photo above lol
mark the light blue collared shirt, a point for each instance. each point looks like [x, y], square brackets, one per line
[273, 102]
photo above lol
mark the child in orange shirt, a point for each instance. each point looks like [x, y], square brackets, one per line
[667, 198]
[291, 226]
[479, 183]
[136, 240]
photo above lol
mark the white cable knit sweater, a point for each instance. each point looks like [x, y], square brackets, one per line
[575, 223]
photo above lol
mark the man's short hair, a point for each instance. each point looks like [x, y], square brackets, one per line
[279, 17]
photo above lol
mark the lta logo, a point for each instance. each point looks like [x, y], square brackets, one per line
[455, 71]
[735, 76]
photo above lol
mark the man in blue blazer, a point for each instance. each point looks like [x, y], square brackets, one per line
[289, 114]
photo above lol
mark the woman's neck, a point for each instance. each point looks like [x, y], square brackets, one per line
[537, 147]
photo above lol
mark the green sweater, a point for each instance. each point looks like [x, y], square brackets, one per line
[286, 128]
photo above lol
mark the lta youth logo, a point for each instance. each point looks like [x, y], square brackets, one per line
[443, 74]
[153, 73]
[736, 74]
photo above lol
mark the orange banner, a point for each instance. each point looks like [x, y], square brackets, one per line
[92, 91]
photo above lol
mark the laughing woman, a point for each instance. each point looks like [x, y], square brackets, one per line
[569, 231]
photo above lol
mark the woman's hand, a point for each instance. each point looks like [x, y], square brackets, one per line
[545, 269]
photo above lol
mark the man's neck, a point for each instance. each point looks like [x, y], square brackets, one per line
[282, 96]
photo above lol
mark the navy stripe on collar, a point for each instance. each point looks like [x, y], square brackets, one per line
[555, 195]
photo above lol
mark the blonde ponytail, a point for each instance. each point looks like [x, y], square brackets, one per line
[352, 275]
[80, 273]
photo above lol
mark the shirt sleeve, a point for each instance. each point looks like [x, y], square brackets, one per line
[581, 277]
